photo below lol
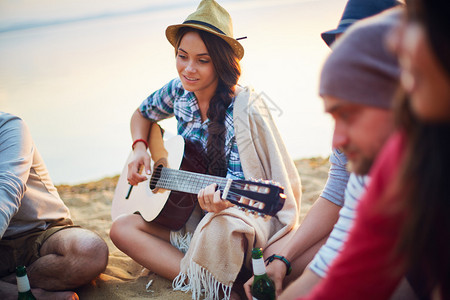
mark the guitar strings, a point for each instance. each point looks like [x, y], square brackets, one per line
[178, 179]
[190, 178]
[192, 182]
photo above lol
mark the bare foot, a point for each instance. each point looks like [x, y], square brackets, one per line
[41, 294]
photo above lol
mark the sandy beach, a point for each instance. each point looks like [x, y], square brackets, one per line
[90, 206]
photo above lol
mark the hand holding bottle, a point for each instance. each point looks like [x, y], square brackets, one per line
[276, 271]
[262, 287]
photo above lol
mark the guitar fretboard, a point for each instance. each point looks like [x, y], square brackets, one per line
[188, 182]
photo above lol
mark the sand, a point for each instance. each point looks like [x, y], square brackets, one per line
[90, 206]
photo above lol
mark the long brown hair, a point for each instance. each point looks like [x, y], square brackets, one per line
[424, 175]
[228, 70]
[423, 183]
[423, 179]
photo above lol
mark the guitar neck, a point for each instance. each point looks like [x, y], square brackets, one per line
[188, 182]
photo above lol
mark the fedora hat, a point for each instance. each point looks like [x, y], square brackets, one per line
[210, 17]
[356, 10]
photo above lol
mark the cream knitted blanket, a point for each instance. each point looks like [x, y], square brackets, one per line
[222, 242]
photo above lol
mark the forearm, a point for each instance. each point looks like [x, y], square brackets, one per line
[8, 204]
[302, 286]
[317, 224]
[16, 158]
[140, 126]
[11, 193]
[12, 190]
[5, 217]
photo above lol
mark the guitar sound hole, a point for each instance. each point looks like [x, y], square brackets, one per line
[155, 177]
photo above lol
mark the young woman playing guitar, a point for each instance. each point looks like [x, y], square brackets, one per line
[234, 127]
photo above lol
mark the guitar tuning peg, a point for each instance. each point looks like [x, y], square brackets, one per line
[266, 218]
[261, 215]
[255, 214]
[247, 212]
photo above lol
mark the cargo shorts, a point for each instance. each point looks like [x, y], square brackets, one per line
[24, 249]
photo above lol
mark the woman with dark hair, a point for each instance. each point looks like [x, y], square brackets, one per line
[422, 44]
[403, 224]
[234, 128]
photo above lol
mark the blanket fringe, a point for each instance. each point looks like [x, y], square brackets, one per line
[200, 281]
[180, 241]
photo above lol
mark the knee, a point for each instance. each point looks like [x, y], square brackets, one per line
[120, 229]
[92, 253]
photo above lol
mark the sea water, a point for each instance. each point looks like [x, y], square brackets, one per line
[76, 70]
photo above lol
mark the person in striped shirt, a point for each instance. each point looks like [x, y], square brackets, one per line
[337, 201]
[358, 83]
[360, 101]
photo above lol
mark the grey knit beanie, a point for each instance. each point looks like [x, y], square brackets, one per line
[360, 68]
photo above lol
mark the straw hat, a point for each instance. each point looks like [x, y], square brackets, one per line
[213, 18]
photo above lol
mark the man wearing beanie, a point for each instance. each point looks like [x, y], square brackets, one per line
[358, 83]
[318, 223]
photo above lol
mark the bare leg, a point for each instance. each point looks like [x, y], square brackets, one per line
[69, 258]
[148, 244]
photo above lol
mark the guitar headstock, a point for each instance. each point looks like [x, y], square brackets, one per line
[258, 197]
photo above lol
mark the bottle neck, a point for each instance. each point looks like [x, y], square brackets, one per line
[23, 285]
[259, 267]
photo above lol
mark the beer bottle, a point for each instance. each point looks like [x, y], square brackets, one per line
[23, 285]
[263, 287]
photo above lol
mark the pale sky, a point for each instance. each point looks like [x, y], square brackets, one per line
[77, 83]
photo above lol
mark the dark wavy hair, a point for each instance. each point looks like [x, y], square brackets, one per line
[226, 65]
[424, 173]
[422, 183]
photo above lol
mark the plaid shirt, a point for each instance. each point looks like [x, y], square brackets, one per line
[173, 100]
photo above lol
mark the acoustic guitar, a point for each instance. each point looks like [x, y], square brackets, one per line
[169, 196]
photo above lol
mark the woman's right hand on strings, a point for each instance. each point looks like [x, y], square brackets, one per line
[141, 160]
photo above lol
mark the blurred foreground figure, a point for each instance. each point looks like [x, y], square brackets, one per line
[402, 225]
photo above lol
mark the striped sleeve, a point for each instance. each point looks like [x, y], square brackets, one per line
[329, 251]
[337, 179]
